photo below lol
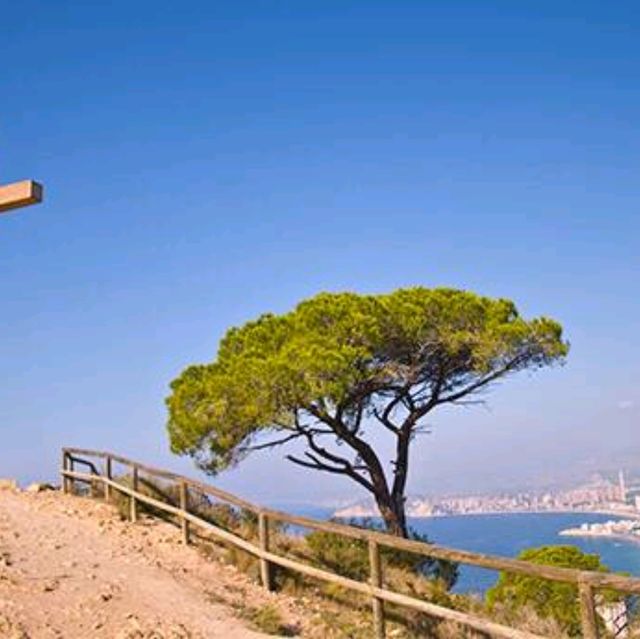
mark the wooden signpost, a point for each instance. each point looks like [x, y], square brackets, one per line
[19, 194]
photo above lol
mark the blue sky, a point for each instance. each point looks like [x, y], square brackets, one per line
[206, 162]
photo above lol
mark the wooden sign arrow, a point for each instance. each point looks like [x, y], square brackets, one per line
[19, 194]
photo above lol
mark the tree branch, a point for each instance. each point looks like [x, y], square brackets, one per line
[348, 467]
[388, 424]
[364, 450]
[316, 464]
[480, 383]
[273, 444]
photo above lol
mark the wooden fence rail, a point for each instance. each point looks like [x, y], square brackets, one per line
[587, 582]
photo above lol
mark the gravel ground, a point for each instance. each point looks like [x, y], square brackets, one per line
[69, 567]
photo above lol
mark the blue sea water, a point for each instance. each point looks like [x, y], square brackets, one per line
[507, 535]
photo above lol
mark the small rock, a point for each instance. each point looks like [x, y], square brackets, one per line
[38, 487]
[9, 484]
[50, 586]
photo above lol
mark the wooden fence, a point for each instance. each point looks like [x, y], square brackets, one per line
[587, 582]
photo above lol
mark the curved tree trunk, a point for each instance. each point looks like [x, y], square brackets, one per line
[394, 517]
[392, 502]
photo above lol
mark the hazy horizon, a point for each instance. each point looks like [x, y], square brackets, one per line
[211, 162]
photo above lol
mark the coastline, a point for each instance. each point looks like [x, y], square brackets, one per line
[559, 511]
[586, 534]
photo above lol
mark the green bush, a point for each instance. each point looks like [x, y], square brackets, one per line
[350, 557]
[549, 599]
[269, 620]
[344, 555]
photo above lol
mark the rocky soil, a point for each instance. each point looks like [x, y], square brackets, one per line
[70, 568]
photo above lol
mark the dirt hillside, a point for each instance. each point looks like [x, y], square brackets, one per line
[70, 568]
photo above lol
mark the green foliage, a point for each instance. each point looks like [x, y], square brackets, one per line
[350, 557]
[549, 599]
[346, 556]
[339, 365]
[236, 520]
[269, 620]
[349, 351]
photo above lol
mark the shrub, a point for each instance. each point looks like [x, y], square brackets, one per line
[343, 555]
[268, 619]
[350, 557]
[549, 599]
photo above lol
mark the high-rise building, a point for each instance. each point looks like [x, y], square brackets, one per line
[622, 486]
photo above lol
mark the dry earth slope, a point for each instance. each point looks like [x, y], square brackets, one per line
[69, 568]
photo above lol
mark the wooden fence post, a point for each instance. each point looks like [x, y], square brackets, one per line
[108, 474]
[65, 467]
[265, 566]
[588, 616]
[134, 501]
[376, 581]
[184, 505]
[72, 484]
[93, 485]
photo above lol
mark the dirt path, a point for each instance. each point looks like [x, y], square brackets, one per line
[70, 568]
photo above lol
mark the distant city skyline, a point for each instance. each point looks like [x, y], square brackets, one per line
[601, 495]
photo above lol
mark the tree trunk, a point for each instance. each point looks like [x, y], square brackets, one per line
[394, 517]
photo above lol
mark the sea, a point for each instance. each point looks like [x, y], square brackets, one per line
[508, 534]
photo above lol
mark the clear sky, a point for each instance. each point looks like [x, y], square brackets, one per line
[209, 161]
